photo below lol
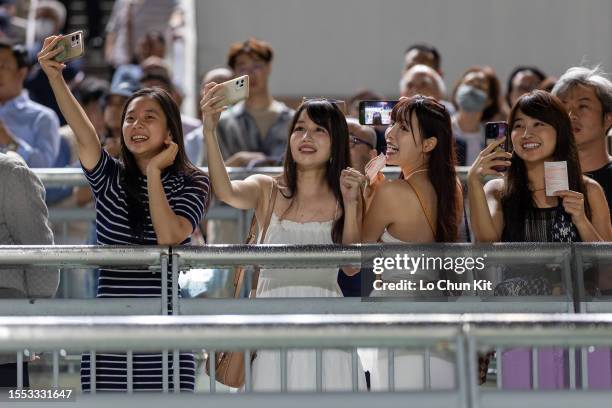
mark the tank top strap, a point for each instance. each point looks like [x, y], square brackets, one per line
[429, 222]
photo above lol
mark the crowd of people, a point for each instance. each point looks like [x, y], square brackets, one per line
[142, 159]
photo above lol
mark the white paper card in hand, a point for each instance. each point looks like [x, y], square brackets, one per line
[555, 177]
[374, 166]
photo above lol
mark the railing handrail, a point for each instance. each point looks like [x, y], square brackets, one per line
[149, 333]
[73, 176]
[273, 255]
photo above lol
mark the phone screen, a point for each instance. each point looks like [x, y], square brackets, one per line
[375, 113]
[495, 131]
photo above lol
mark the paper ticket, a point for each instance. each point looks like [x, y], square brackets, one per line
[374, 166]
[555, 177]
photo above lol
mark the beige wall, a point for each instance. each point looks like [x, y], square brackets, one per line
[334, 47]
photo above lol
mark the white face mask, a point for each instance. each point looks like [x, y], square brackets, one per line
[44, 28]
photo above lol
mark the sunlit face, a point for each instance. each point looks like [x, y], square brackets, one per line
[586, 113]
[415, 56]
[404, 144]
[522, 83]
[145, 127]
[310, 143]
[257, 69]
[533, 140]
[420, 83]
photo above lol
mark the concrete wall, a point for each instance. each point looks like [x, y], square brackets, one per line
[334, 47]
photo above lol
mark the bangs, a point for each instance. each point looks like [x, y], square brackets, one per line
[538, 106]
[320, 112]
[402, 112]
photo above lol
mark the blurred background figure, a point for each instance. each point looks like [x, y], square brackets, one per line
[424, 54]
[476, 97]
[522, 80]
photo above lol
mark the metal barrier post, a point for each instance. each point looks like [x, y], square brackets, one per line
[55, 369]
[130, 371]
[212, 371]
[427, 368]
[319, 369]
[20, 369]
[391, 369]
[248, 385]
[283, 369]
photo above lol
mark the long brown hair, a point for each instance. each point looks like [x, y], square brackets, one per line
[517, 200]
[434, 121]
[326, 114]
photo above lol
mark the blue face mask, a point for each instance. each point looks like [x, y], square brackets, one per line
[471, 99]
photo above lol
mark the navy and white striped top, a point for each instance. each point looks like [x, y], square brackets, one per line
[187, 196]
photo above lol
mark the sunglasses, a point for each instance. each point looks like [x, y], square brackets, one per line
[354, 141]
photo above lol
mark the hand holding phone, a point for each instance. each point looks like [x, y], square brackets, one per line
[72, 45]
[495, 131]
[236, 90]
[376, 113]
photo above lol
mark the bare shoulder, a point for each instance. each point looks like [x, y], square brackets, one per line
[397, 191]
[262, 181]
[592, 186]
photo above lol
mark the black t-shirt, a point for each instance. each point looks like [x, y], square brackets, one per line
[604, 177]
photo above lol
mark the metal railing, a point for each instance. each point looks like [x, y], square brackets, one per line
[464, 333]
[157, 259]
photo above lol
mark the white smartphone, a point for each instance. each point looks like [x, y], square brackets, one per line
[236, 90]
[73, 47]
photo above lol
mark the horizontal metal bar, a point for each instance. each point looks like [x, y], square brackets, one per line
[266, 400]
[334, 255]
[60, 177]
[600, 251]
[218, 332]
[544, 399]
[300, 331]
[89, 214]
[258, 306]
[81, 255]
[79, 307]
[269, 255]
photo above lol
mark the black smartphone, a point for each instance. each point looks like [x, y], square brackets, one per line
[376, 113]
[493, 132]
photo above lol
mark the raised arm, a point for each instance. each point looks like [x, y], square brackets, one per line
[486, 216]
[88, 144]
[244, 194]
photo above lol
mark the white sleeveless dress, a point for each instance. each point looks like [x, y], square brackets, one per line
[409, 366]
[301, 282]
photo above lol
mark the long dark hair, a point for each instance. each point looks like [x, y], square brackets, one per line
[517, 200]
[326, 114]
[434, 121]
[131, 175]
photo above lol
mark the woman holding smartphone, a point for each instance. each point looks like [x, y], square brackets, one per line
[516, 208]
[423, 206]
[152, 196]
[316, 200]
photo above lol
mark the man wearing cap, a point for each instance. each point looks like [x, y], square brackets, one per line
[26, 127]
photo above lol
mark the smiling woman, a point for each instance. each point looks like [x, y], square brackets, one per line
[319, 202]
[153, 195]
